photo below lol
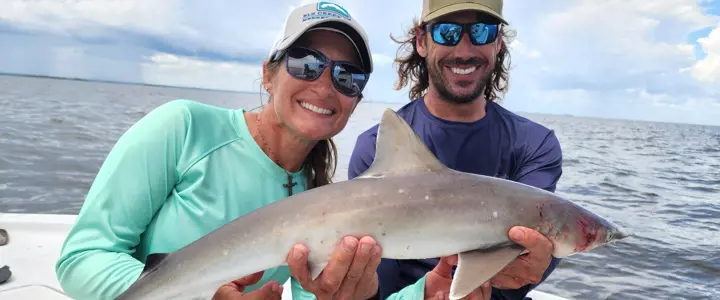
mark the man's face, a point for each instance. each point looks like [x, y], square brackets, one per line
[459, 73]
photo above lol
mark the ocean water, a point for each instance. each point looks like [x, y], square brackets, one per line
[661, 181]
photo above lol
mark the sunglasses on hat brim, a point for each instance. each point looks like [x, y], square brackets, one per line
[309, 64]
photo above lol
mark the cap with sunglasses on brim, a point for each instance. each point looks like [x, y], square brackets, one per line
[433, 9]
[324, 15]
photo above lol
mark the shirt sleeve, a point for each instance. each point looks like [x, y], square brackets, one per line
[132, 184]
[363, 154]
[542, 168]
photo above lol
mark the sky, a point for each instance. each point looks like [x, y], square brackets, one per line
[653, 60]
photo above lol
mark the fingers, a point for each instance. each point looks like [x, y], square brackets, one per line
[532, 240]
[338, 266]
[247, 280]
[368, 285]
[357, 268]
[298, 264]
[445, 265]
[505, 281]
[527, 269]
[234, 289]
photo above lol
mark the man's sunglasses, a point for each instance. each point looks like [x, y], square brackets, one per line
[308, 64]
[450, 34]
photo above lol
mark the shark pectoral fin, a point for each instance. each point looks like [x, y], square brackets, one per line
[316, 269]
[478, 266]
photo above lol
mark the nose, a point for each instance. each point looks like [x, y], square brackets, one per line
[323, 86]
[465, 49]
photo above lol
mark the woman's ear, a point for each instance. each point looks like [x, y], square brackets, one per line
[266, 82]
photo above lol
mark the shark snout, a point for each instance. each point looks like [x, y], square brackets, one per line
[618, 233]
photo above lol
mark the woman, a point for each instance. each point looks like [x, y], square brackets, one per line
[187, 168]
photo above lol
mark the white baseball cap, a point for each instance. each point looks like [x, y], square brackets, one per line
[326, 16]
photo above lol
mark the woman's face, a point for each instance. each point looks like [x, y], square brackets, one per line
[313, 110]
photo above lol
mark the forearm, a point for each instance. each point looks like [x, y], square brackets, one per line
[97, 274]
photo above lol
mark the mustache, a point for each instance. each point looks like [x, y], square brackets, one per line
[461, 61]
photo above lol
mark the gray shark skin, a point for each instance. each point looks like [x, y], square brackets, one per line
[408, 201]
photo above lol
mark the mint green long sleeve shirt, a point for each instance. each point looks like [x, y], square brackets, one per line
[180, 172]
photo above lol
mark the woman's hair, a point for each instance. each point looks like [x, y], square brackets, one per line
[413, 68]
[321, 162]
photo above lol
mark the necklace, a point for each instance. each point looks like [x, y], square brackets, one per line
[290, 183]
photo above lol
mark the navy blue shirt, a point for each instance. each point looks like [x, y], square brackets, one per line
[501, 144]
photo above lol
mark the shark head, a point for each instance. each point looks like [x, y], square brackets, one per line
[583, 231]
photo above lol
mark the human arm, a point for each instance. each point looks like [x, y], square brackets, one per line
[541, 168]
[132, 184]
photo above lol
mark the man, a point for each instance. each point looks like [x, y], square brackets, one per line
[456, 69]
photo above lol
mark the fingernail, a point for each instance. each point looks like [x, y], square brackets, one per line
[276, 288]
[517, 235]
[297, 253]
[365, 248]
[376, 250]
[349, 244]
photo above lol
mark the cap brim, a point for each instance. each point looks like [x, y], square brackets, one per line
[463, 6]
[339, 24]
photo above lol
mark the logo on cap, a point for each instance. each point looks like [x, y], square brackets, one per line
[332, 7]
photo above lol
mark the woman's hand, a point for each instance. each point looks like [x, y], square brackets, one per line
[437, 282]
[234, 290]
[350, 274]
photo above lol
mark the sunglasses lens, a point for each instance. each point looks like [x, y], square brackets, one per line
[482, 34]
[348, 79]
[304, 64]
[447, 34]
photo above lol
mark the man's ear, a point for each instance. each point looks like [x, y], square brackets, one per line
[420, 44]
[499, 42]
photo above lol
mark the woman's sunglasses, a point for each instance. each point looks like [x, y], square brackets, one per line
[450, 34]
[308, 64]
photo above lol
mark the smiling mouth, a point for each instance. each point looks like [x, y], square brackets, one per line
[315, 109]
[463, 71]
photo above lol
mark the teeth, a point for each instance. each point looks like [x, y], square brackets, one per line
[316, 109]
[463, 71]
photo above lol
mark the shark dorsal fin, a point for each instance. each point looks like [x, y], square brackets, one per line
[400, 150]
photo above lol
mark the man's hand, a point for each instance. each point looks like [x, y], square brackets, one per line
[437, 282]
[234, 290]
[350, 274]
[527, 268]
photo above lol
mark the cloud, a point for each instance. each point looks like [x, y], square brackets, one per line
[571, 57]
[708, 69]
[653, 60]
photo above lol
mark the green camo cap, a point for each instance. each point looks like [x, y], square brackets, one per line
[436, 8]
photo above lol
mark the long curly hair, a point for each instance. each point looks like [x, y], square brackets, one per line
[412, 68]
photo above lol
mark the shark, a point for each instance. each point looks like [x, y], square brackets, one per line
[407, 200]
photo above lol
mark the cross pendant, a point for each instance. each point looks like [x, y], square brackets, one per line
[290, 185]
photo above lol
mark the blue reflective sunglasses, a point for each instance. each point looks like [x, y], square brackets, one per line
[308, 64]
[450, 34]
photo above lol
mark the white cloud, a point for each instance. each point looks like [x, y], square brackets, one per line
[708, 69]
[169, 69]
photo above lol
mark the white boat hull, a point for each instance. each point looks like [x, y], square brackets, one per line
[34, 245]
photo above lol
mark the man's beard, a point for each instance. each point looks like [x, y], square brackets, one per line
[443, 87]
